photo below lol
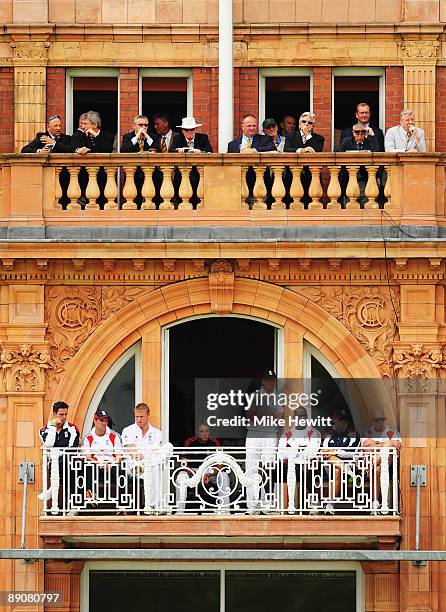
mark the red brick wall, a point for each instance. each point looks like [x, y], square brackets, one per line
[129, 85]
[322, 103]
[6, 110]
[394, 94]
[55, 93]
[246, 95]
[205, 88]
[440, 109]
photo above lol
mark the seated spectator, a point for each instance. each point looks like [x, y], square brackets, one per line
[270, 129]
[90, 138]
[60, 433]
[288, 125]
[167, 140]
[51, 141]
[363, 115]
[214, 487]
[190, 141]
[305, 140]
[138, 439]
[297, 446]
[139, 139]
[359, 141]
[336, 448]
[405, 137]
[250, 141]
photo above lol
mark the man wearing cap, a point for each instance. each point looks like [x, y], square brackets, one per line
[190, 141]
[51, 141]
[270, 129]
[336, 449]
[60, 433]
[261, 438]
[142, 439]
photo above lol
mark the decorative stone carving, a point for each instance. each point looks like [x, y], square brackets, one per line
[30, 50]
[274, 264]
[115, 298]
[335, 263]
[8, 264]
[328, 298]
[24, 367]
[139, 265]
[221, 286]
[72, 314]
[79, 265]
[169, 265]
[417, 361]
[243, 264]
[109, 265]
[419, 49]
[198, 265]
[42, 264]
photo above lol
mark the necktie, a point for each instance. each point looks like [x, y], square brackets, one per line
[163, 145]
[189, 144]
[304, 139]
[276, 144]
[248, 143]
[141, 145]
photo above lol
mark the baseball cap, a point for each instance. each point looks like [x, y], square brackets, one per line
[268, 123]
[268, 375]
[341, 415]
[103, 414]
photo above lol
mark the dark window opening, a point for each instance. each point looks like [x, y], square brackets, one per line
[119, 397]
[166, 95]
[286, 96]
[99, 94]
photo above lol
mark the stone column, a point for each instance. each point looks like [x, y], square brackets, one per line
[30, 60]
[419, 58]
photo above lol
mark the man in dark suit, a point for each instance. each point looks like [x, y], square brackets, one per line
[191, 142]
[363, 116]
[92, 139]
[51, 141]
[305, 140]
[167, 140]
[359, 141]
[139, 139]
[250, 141]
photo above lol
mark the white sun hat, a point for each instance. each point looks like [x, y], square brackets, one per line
[188, 123]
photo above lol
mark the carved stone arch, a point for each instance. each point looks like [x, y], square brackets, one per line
[147, 314]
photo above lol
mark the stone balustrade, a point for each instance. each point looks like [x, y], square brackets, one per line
[325, 186]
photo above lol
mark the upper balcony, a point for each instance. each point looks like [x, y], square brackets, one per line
[126, 192]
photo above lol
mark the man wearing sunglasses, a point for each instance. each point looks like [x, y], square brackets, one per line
[139, 139]
[305, 140]
[51, 141]
[360, 141]
[363, 115]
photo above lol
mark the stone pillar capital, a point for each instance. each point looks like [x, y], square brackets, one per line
[23, 366]
[30, 53]
[423, 52]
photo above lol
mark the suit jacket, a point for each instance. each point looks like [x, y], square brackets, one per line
[201, 141]
[396, 140]
[127, 145]
[103, 143]
[349, 144]
[63, 144]
[348, 133]
[175, 141]
[260, 143]
[294, 141]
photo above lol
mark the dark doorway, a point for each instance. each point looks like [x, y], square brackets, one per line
[331, 392]
[212, 348]
[99, 94]
[348, 92]
[167, 95]
[286, 96]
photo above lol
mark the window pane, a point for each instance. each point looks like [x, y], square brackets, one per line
[291, 591]
[119, 397]
[155, 591]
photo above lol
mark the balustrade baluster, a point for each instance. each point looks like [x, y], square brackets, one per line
[388, 187]
[167, 190]
[74, 190]
[148, 189]
[296, 189]
[245, 188]
[334, 188]
[315, 191]
[129, 191]
[371, 189]
[92, 192]
[352, 191]
[185, 189]
[259, 191]
[278, 189]
[110, 190]
[57, 186]
[200, 186]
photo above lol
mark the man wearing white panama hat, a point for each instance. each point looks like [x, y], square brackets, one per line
[190, 141]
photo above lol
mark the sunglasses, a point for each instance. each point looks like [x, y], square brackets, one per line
[142, 124]
[360, 131]
[54, 117]
[380, 420]
[309, 122]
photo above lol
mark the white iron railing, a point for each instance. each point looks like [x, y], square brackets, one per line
[184, 481]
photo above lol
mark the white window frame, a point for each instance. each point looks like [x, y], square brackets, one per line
[169, 73]
[264, 73]
[222, 567]
[134, 350]
[366, 71]
[86, 72]
[278, 358]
